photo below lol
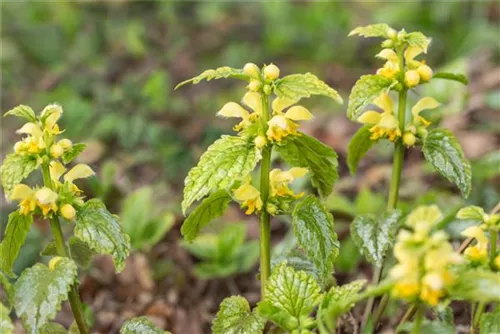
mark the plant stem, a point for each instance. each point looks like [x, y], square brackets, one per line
[493, 249]
[419, 317]
[478, 314]
[55, 228]
[265, 219]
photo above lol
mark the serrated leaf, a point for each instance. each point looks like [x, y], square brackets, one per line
[218, 73]
[6, 325]
[52, 328]
[477, 285]
[101, 230]
[8, 290]
[314, 229]
[451, 76]
[471, 212]
[298, 260]
[235, 317]
[375, 236]
[140, 325]
[297, 86]
[321, 161]
[365, 90]
[80, 252]
[15, 235]
[419, 40]
[14, 169]
[228, 159]
[39, 292]
[22, 111]
[290, 297]
[443, 151]
[358, 146]
[212, 207]
[490, 322]
[373, 30]
[73, 152]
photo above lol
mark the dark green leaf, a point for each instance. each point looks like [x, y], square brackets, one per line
[359, 145]
[16, 168]
[451, 76]
[53, 328]
[22, 111]
[15, 235]
[235, 317]
[81, 253]
[73, 152]
[365, 90]
[218, 73]
[140, 325]
[297, 86]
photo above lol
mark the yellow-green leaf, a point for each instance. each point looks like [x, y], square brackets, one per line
[359, 145]
[219, 73]
[472, 212]
[16, 168]
[6, 325]
[141, 325]
[22, 111]
[15, 235]
[235, 317]
[372, 30]
[73, 152]
[451, 76]
[297, 86]
[365, 90]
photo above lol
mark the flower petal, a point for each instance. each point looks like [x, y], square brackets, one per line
[423, 104]
[298, 172]
[411, 52]
[370, 117]
[298, 113]
[56, 170]
[233, 109]
[30, 129]
[280, 104]
[80, 171]
[388, 54]
[46, 196]
[384, 102]
[20, 192]
[477, 233]
[254, 101]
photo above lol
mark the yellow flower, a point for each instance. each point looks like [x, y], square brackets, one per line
[33, 143]
[260, 141]
[385, 124]
[50, 115]
[406, 290]
[79, 171]
[233, 109]
[26, 197]
[271, 72]
[282, 124]
[423, 104]
[422, 219]
[56, 151]
[280, 180]
[249, 196]
[425, 72]
[66, 144]
[497, 262]
[391, 68]
[46, 200]
[412, 78]
[251, 70]
[68, 211]
[478, 252]
[432, 288]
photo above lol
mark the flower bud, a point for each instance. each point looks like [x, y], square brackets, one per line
[425, 72]
[409, 139]
[68, 211]
[260, 141]
[267, 89]
[271, 72]
[271, 208]
[412, 78]
[251, 70]
[56, 151]
[254, 85]
[66, 144]
[422, 132]
[497, 262]
[391, 33]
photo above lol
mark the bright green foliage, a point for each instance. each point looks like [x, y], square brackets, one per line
[373, 30]
[472, 212]
[73, 152]
[451, 76]
[490, 322]
[375, 236]
[365, 90]
[97, 227]
[225, 253]
[16, 168]
[314, 229]
[40, 290]
[141, 325]
[358, 146]
[235, 317]
[53, 328]
[443, 151]
[319, 159]
[145, 226]
[227, 159]
[290, 298]
[5, 323]
[297, 86]
[15, 235]
[80, 252]
[419, 40]
[477, 285]
[219, 73]
[8, 290]
[212, 207]
[22, 111]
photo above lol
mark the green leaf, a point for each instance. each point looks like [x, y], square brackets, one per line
[8, 290]
[235, 317]
[53, 328]
[22, 111]
[428, 327]
[314, 229]
[15, 235]
[39, 292]
[228, 159]
[290, 298]
[365, 90]
[6, 324]
[375, 236]
[419, 40]
[477, 285]
[218, 73]
[490, 322]
[451, 76]
[472, 212]
[373, 30]
[212, 207]
[100, 229]
[359, 145]
[297, 86]
[305, 151]
[487, 167]
[81, 252]
[16, 168]
[73, 152]
[443, 151]
[140, 325]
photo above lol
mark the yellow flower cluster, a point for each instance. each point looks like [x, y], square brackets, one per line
[424, 259]
[282, 123]
[479, 252]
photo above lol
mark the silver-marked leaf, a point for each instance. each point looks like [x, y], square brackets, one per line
[235, 317]
[443, 151]
[359, 145]
[212, 207]
[365, 90]
[305, 151]
[218, 73]
[419, 40]
[471, 212]
[16, 168]
[140, 325]
[40, 290]
[451, 76]
[228, 159]
[73, 152]
[15, 235]
[53, 328]
[81, 252]
[6, 325]
[290, 298]
[375, 236]
[314, 229]
[490, 322]
[297, 86]
[22, 111]
[477, 285]
[102, 232]
[372, 30]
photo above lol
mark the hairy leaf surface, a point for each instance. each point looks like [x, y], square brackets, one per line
[14, 169]
[235, 317]
[22, 111]
[297, 86]
[140, 325]
[372, 30]
[419, 40]
[365, 90]
[15, 235]
[218, 73]
[451, 76]
[73, 152]
[359, 145]
[471, 212]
